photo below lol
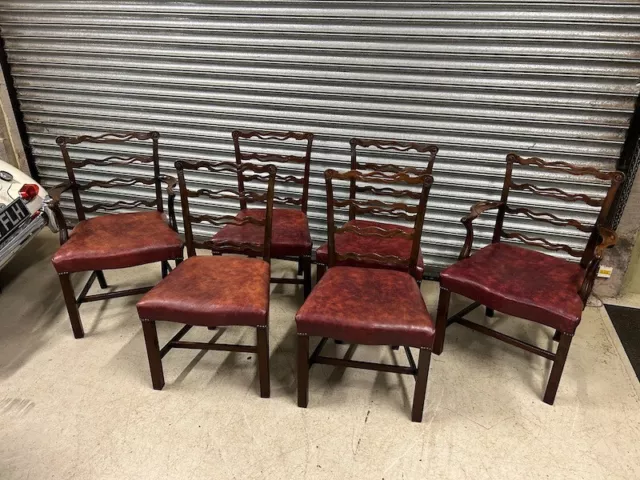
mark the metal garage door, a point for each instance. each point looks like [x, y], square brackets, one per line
[555, 79]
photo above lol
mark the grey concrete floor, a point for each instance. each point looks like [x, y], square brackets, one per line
[85, 409]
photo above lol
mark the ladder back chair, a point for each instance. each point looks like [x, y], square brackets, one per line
[214, 290]
[384, 246]
[526, 283]
[291, 238]
[116, 240]
[372, 306]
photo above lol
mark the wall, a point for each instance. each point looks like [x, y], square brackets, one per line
[622, 257]
[11, 149]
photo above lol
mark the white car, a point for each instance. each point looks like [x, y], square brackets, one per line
[23, 211]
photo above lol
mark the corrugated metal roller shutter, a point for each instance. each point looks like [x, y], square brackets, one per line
[479, 79]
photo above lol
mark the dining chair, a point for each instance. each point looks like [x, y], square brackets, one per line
[523, 282]
[366, 305]
[216, 290]
[116, 240]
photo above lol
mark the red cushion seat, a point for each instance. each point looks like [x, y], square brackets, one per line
[367, 306]
[118, 241]
[289, 232]
[211, 291]
[349, 242]
[520, 282]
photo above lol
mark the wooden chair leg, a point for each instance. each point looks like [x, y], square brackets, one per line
[320, 271]
[420, 392]
[441, 320]
[557, 335]
[558, 367]
[489, 312]
[72, 306]
[306, 270]
[153, 353]
[165, 269]
[300, 265]
[178, 261]
[101, 280]
[263, 360]
[303, 370]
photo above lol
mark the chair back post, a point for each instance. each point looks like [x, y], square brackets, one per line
[186, 215]
[352, 183]
[155, 137]
[268, 228]
[419, 224]
[307, 174]
[602, 220]
[331, 226]
[236, 147]
[502, 209]
[62, 143]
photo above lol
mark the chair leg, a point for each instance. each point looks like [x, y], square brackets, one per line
[320, 271]
[263, 361]
[558, 366]
[420, 392]
[72, 306]
[300, 265]
[557, 335]
[303, 370]
[489, 312]
[178, 261]
[165, 269]
[153, 353]
[101, 280]
[441, 320]
[306, 269]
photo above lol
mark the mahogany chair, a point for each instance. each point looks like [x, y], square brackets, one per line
[348, 241]
[216, 290]
[365, 305]
[291, 238]
[525, 283]
[117, 240]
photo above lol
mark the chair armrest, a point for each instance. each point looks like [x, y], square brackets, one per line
[171, 196]
[608, 238]
[467, 221]
[54, 205]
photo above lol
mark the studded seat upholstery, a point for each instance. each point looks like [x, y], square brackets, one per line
[367, 306]
[211, 291]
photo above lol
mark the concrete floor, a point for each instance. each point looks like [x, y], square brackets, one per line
[85, 409]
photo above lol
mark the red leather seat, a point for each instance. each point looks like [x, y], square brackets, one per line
[353, 243]
[520, 282]
[118, 241]
[211, 291]
[367, 306]
[289, 232]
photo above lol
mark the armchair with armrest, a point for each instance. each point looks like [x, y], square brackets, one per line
[117, 240]
[523, 282]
